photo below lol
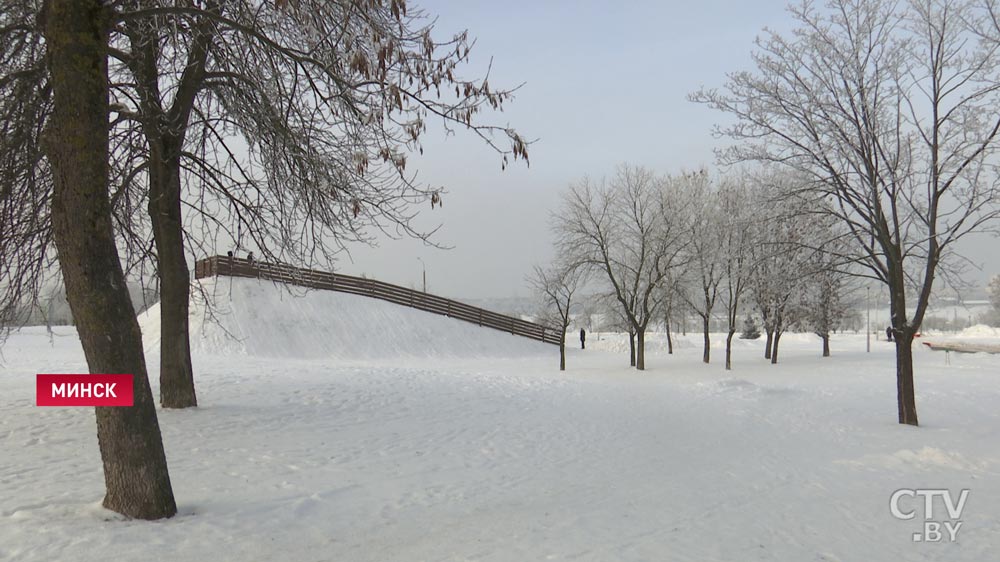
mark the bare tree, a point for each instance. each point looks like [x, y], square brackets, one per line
[557, 287]
[671, 296]
[627, 229]
[737, 238]
[281, 128]
[889, 108]
[25, 186]
[823, 304]
[781, 266]
[824, 294]
[76, 144]
[705, 235]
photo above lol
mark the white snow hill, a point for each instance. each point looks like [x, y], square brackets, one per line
[265, 319]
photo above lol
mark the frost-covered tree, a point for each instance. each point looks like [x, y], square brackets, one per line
[627, 231]
[704, 252]
[671, 298]
[823, 304]
[888, 109]
[737, 218]
[824, 298]
[557, 288]
[780, 261]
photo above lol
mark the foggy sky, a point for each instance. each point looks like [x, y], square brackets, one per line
[603, 84]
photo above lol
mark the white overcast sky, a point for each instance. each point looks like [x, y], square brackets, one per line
[604, 83]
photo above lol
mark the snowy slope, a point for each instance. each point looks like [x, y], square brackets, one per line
[263, 319]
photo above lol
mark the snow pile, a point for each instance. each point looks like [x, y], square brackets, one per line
[975, 339]
[980, 331]
[263, 319]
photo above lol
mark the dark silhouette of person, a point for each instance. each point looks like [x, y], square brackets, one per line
[888, 333]
[583, 339]
[229, 253]
[250, 257]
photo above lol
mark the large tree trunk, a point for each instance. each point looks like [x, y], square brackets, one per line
[826, 345]
[707, 354]
[135, 466]
[176, 371]
[640, 360]
[769, 343]
[729, 349]
[631, 348]
[905, 395]
[774, 346]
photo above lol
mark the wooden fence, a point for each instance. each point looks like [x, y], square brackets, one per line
[238, 267]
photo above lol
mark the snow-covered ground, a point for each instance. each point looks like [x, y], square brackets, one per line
[399, 451]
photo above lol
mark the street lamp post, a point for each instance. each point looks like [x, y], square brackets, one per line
[868, 329]
[424, 268]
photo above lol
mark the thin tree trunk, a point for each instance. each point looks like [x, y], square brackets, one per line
[707, 354]
[176, 371]
[135, 466]
[769, 343]
[640, 363]
[826, 345]
[631, 348]
[774, 348]
[729, 349]
[905, 395]
[670, 340]
[562, 353]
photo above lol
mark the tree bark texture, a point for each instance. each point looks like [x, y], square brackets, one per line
[905, 394]
[176, 371]
[707, 355]
[640, 360]
[729, 349]
[774, 347]
[631, 348]
[135, 466]
[562, 353]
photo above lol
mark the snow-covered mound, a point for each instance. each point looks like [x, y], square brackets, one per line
[974, 339]
[260, 318]
[981, 331]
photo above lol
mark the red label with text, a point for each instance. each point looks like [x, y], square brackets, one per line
[84, 390]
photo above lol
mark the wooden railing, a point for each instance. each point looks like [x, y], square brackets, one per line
[239, 267]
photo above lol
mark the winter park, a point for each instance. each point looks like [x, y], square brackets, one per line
[381, 280]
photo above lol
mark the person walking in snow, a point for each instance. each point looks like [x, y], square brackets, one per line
[583, 339]
[888, 333]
